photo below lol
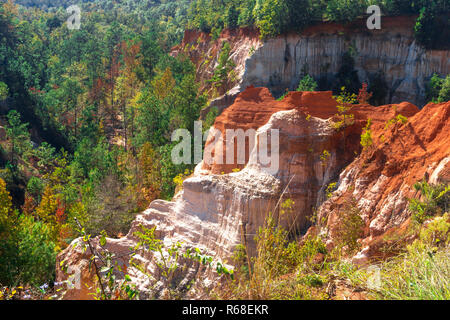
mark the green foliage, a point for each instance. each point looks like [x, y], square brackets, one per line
[210, 118]
[4, 91]
[431, 29]
[444, 94]
[18, 136]
[273, 17]
[422, 273]
[269, 16]
[345, 10]
[350, 226]
[366, 136]
[438, 89]
[107, 270]
[307, 83]
[330, 188]
[27, 253]
[224, 68]
[170, 259]
[437, 231]
[397, 119]
[435, 199]
[345, 103]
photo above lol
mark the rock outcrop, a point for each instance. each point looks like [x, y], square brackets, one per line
[381, 178]
[391, 54]
[218, 209]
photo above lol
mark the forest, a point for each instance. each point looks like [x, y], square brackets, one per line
[87, 115]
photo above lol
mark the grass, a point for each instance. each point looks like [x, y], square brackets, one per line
[422, 273]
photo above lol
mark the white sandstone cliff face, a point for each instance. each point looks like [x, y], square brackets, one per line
[217, 212]
[406, 66]
[279, 63]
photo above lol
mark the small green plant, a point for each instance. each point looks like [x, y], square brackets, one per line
[225, 65]
[366, 136]
[435, 200]
[437, 232]
[330, 189]
[324, 157]
[178, 180]
[397, 119]
[286, 92]
[350, 226]
[107, 269]
[345, 102]
[307, 83]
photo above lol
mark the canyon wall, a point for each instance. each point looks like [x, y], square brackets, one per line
[279, 63]
[217, 209]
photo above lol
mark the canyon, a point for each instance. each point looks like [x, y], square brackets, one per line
[219, 208]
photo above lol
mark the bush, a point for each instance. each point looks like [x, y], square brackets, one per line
[27, 254]
[435, 201]
[350, 226]
[436, 233]
[444, 93]
[307, 83]
[344, 10]
[366, 136]
[426, 30]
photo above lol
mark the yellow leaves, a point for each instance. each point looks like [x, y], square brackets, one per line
[163, 85]
[178, 180]
[47, 208]
[6, 219]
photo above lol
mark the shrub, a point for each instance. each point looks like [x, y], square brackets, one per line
[307, 83]
[27, 253]
[345, 103]
[366, 136]
[344, 10]
[350, 226]
[444, 93]
[435, 201]
[436, 233]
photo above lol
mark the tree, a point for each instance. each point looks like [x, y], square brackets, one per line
[426, 29]
[232, 17]
[344, 10]
[271, 17]
[18, 136]
[27, 254]
[307, 83]
[4, 91]
[444, 93]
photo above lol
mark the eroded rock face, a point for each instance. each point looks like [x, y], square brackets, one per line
[381, 178]
[392, 50]
[215, 212]
[278, 63]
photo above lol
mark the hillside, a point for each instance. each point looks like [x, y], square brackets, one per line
[216, 212]
[236, 149]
